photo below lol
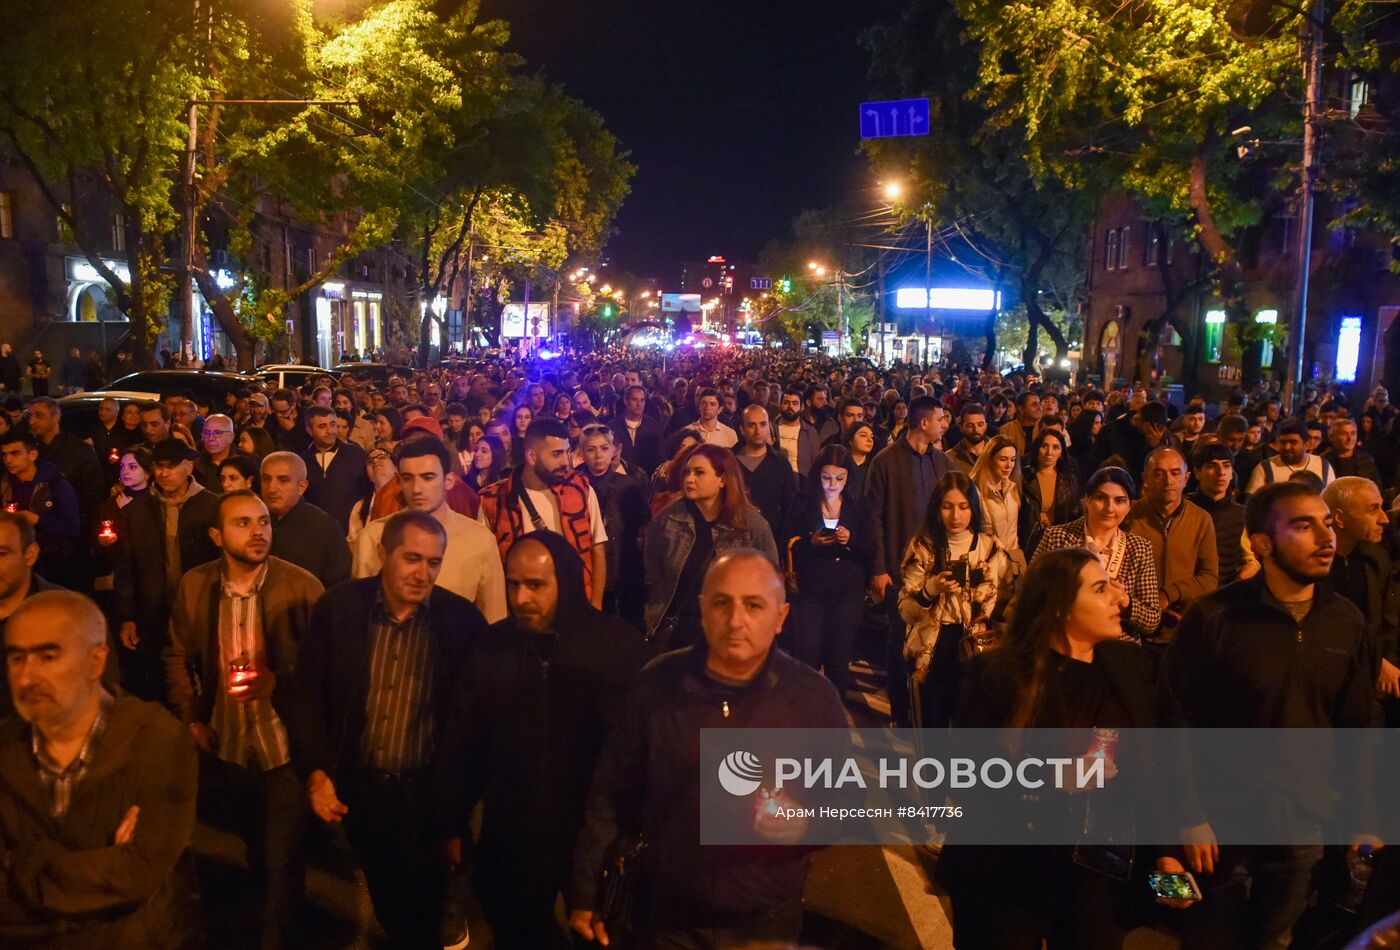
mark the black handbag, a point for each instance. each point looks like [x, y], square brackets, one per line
[617, 881]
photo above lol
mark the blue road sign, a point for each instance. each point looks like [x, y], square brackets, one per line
[893, 118]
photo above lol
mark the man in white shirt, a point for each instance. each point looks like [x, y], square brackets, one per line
[708, 425]
[471, 566]
[1292, 458]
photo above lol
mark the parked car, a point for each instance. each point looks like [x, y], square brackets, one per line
[377, 373]
[80, 409]
[291, 375]
[203, 384]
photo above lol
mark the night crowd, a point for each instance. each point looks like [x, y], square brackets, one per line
[476, 617]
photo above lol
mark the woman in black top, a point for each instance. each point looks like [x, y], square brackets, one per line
[1049, 489]
[1061, 665]
[829, 550]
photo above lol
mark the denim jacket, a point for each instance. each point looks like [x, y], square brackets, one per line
[669, 538]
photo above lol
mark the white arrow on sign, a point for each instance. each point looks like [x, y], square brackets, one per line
[876, 116]
[914, 118]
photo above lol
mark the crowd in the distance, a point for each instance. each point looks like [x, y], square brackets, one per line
[527, 587]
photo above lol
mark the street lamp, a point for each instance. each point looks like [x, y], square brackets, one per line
[893, 190]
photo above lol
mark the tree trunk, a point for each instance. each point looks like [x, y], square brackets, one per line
[1037, 319]
[223, 311]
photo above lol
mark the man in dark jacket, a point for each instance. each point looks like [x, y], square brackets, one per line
[74, 457]
[552, 678]
[250, 610]
[768, 477]
[638, 434]
[302, 533]
[11, 374]
[1346, 456]
[336, 476]
[624, 498]
[97, 792]
[897, 489]
[286, 428]
[1363, 573]
[365, 730]
[648, 778]
[1280, 651]
[38, 493]
[150, 560]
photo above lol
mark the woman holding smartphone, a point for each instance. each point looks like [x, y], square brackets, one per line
[829, 551]
[1127, 557]
[1060, 664]
[952, 574]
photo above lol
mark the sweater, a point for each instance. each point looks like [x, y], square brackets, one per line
[1184, 548]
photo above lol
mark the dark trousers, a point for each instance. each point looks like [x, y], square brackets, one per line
[391, 831]
[781, 926]
[519, 904]
[269, 811]
[1252, 899]
[142, 673]
[822, 630]
[938, 693]
[896, 669]
[1066, 906]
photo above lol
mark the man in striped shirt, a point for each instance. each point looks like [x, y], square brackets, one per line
[376, 680]
[234, 632]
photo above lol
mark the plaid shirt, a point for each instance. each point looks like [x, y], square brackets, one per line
[60, 782]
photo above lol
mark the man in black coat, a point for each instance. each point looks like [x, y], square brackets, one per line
[638, 434]
[375, 684]
[648, 778]
[552, 678]
[336, 476]
[147, 576]
[769, 479]
[301, 532]
[74, 457]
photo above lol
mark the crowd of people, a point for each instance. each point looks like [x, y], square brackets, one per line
[525, 588]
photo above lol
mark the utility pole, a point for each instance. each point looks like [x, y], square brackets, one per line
[840, 314]
[467, 302]
[184, 285]
[1312, 78]
[928, 282]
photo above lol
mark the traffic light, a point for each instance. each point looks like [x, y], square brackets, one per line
[786, 285]
[607, 311]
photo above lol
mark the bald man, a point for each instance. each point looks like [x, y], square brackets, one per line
[1181, 534]
[216, 445]
[301, 533]
[1362, 572]
[97, 793]
[648, 778]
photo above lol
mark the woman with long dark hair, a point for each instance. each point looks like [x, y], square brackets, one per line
[1049, 489]
[1128, 558]
[712, 515]
[953, 574]
[489, 463]
[388, 428]
[830, 551]
[1083, 431]
[1059, 665]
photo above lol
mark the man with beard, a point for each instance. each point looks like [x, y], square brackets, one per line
[1278, 651]
[848, 413]
[817, 413]
[234, 632]
[544, 494]
[551, 678]
[97, 791]
[797, 438]
[1293, 457]
[768, 478]
[972, 423]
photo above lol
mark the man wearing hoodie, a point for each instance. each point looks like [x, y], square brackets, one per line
[41, 496]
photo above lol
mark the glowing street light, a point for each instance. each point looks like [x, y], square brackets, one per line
[893, 190]
[811, 265]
